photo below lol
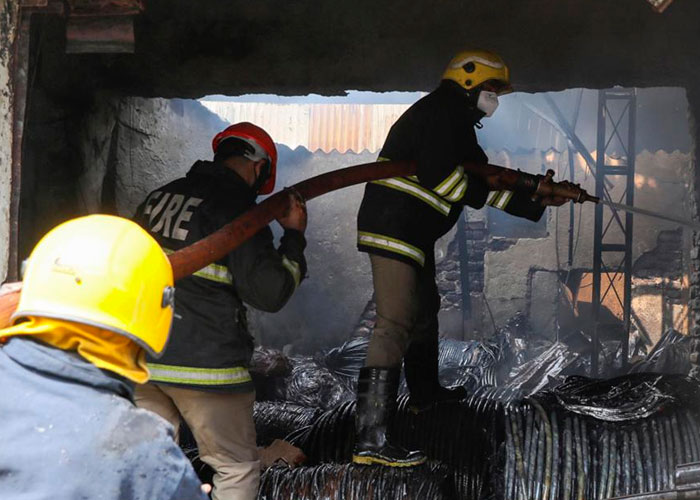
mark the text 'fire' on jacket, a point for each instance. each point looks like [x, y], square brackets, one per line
[210, 346]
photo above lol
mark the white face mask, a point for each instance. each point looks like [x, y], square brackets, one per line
[487, 102]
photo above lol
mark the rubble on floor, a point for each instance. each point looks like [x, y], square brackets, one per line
[278, 419]
[354, 482]
[533, 426]
[600, 438]
[584, 439]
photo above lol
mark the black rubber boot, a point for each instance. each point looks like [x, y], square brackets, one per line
[421, 372]
[376, 406]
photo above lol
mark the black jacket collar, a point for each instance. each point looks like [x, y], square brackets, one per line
[221, 174]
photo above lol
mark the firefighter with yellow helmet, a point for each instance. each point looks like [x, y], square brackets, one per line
[399, 221]
[97, 295]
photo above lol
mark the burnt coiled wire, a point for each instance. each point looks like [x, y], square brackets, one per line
[460, 434]
[585, 439]
[558, 455]
[354, 482]
[471, 364]
[625, 398]
[313, 385]
[347, 359]
[598, 439]
[330, 438]
[278, 419]
[671, 354]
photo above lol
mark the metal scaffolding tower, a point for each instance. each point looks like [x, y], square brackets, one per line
[612, 244]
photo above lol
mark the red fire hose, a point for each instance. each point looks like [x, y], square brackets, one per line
[215, 246]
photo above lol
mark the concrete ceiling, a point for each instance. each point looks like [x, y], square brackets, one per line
[188, 48]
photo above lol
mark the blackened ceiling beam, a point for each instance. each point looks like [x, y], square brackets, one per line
[190, 49]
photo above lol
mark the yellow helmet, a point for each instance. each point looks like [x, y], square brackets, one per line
[472, 68]
[102, 271]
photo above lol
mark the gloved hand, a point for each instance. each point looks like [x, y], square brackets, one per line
[296, 216]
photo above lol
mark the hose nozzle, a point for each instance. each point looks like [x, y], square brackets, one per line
[547, 187]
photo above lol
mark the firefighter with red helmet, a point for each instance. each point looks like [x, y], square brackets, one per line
[203, 374]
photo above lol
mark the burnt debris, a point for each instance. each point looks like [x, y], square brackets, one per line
[533, 426]
[354, 482]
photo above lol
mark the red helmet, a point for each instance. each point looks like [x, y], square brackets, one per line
[262, 144]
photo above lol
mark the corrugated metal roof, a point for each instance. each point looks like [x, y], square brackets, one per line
[325, 127]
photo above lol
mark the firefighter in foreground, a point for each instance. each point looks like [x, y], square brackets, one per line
[398, 223]
[97, 295]
[203, 375]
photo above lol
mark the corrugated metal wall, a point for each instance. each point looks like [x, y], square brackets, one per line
[325, 127]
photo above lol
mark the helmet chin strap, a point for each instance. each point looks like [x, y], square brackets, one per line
[472, 97]
[473, 101]
[261, 178]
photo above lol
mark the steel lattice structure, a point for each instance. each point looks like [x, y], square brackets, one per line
[612, 243]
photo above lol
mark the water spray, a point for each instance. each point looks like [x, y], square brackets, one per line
[649, 213]
[547, 187]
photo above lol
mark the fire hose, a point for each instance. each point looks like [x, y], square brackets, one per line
[192, 258]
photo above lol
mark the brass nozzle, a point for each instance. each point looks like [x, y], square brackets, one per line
[563, 189]
[587, 197]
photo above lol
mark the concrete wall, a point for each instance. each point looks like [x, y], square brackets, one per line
[8, 30]
[134, 145]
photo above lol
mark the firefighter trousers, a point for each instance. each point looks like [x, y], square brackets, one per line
[408, 303]
[222, 425]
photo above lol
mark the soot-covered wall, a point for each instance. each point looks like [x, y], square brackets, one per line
[231, 47]
[8, 29]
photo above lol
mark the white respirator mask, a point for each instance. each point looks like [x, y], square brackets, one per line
[487, 102]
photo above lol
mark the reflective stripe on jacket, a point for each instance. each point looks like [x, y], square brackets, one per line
[210, 346]
[188, 375]
[402, 217]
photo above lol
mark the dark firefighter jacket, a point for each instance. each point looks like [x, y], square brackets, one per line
[71, 431]
[209, 346]
[402, 217]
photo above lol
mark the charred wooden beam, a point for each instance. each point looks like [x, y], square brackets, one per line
[660, 5]
[20, 70]
[113, 34]
[101, 26]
